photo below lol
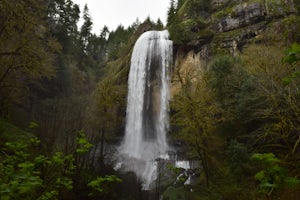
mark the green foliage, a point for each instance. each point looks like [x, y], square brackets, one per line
[273, 176]
[173, 193]
[244, 104]
[49, 69]
[9, 132]
[103, 185]
[117, 41]
[26, 49]
[225, 78]
[292, 54]
[19, 176]
[26, 174]
[171, 12]
[189, 31]
[272, 117]
[219, 72]
[186, 24]
[174, 169]
[63, 17]
[33, 125]
[83, 144]
[159, 24]
[180, 3]
[109, 101]
[85, 31]
[238, 157]
[195, 116]
[198, 7]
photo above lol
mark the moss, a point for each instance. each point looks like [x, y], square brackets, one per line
[286, 30]
[205, 35]
[183, 10]
[118, 70]
[231, 10]
[189, 30]
[278, 8]
[223, 13]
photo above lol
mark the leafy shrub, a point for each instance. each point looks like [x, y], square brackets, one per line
[28, 174]
[272, 176]
[103, 185]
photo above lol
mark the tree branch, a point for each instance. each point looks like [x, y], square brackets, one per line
[15, 52]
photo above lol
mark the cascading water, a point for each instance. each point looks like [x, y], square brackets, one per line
[147, 105]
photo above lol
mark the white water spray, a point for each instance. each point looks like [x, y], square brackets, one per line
[147, 119]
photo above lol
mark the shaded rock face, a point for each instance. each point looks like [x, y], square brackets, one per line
[188, 65]
[235, 43]
[245, 14]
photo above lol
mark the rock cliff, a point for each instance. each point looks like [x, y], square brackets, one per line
[228, 27]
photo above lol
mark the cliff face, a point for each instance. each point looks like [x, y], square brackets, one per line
[247, 13]
[228, 27]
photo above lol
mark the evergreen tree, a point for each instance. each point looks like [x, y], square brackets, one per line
[171, 12]
[136, 24]
[63, 19]
[180, 3]
[85, 31]
[104, 32]
[159, 24]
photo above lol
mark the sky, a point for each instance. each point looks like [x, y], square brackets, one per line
[115, 12]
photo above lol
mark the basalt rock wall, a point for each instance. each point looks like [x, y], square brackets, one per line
[229, 27]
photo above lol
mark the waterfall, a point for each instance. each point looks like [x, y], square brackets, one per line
[147, 120]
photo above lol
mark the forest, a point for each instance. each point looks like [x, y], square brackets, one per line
[63, 95]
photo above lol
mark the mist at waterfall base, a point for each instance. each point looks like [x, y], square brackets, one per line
[147, 120]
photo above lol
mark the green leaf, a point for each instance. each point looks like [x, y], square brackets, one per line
[260, 175]
[292, 182]
[5, 197]
[26, 166]
[58, 158]
[268, 185]
[292, 54]
[286, 81]
[66, 182]
[83, 144]
[33, 125]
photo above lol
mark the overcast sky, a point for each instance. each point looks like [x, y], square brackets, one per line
[125, 12]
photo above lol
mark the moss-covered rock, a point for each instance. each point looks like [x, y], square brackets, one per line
[239, 16]
[191, 32]
[250, 12]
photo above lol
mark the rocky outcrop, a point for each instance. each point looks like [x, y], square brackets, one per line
[234, 40]
[232, 25]
[241, 16]
[188, 65]
[248, 13]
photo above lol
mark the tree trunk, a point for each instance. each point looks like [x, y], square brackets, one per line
[101, 156]
[203, 158]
